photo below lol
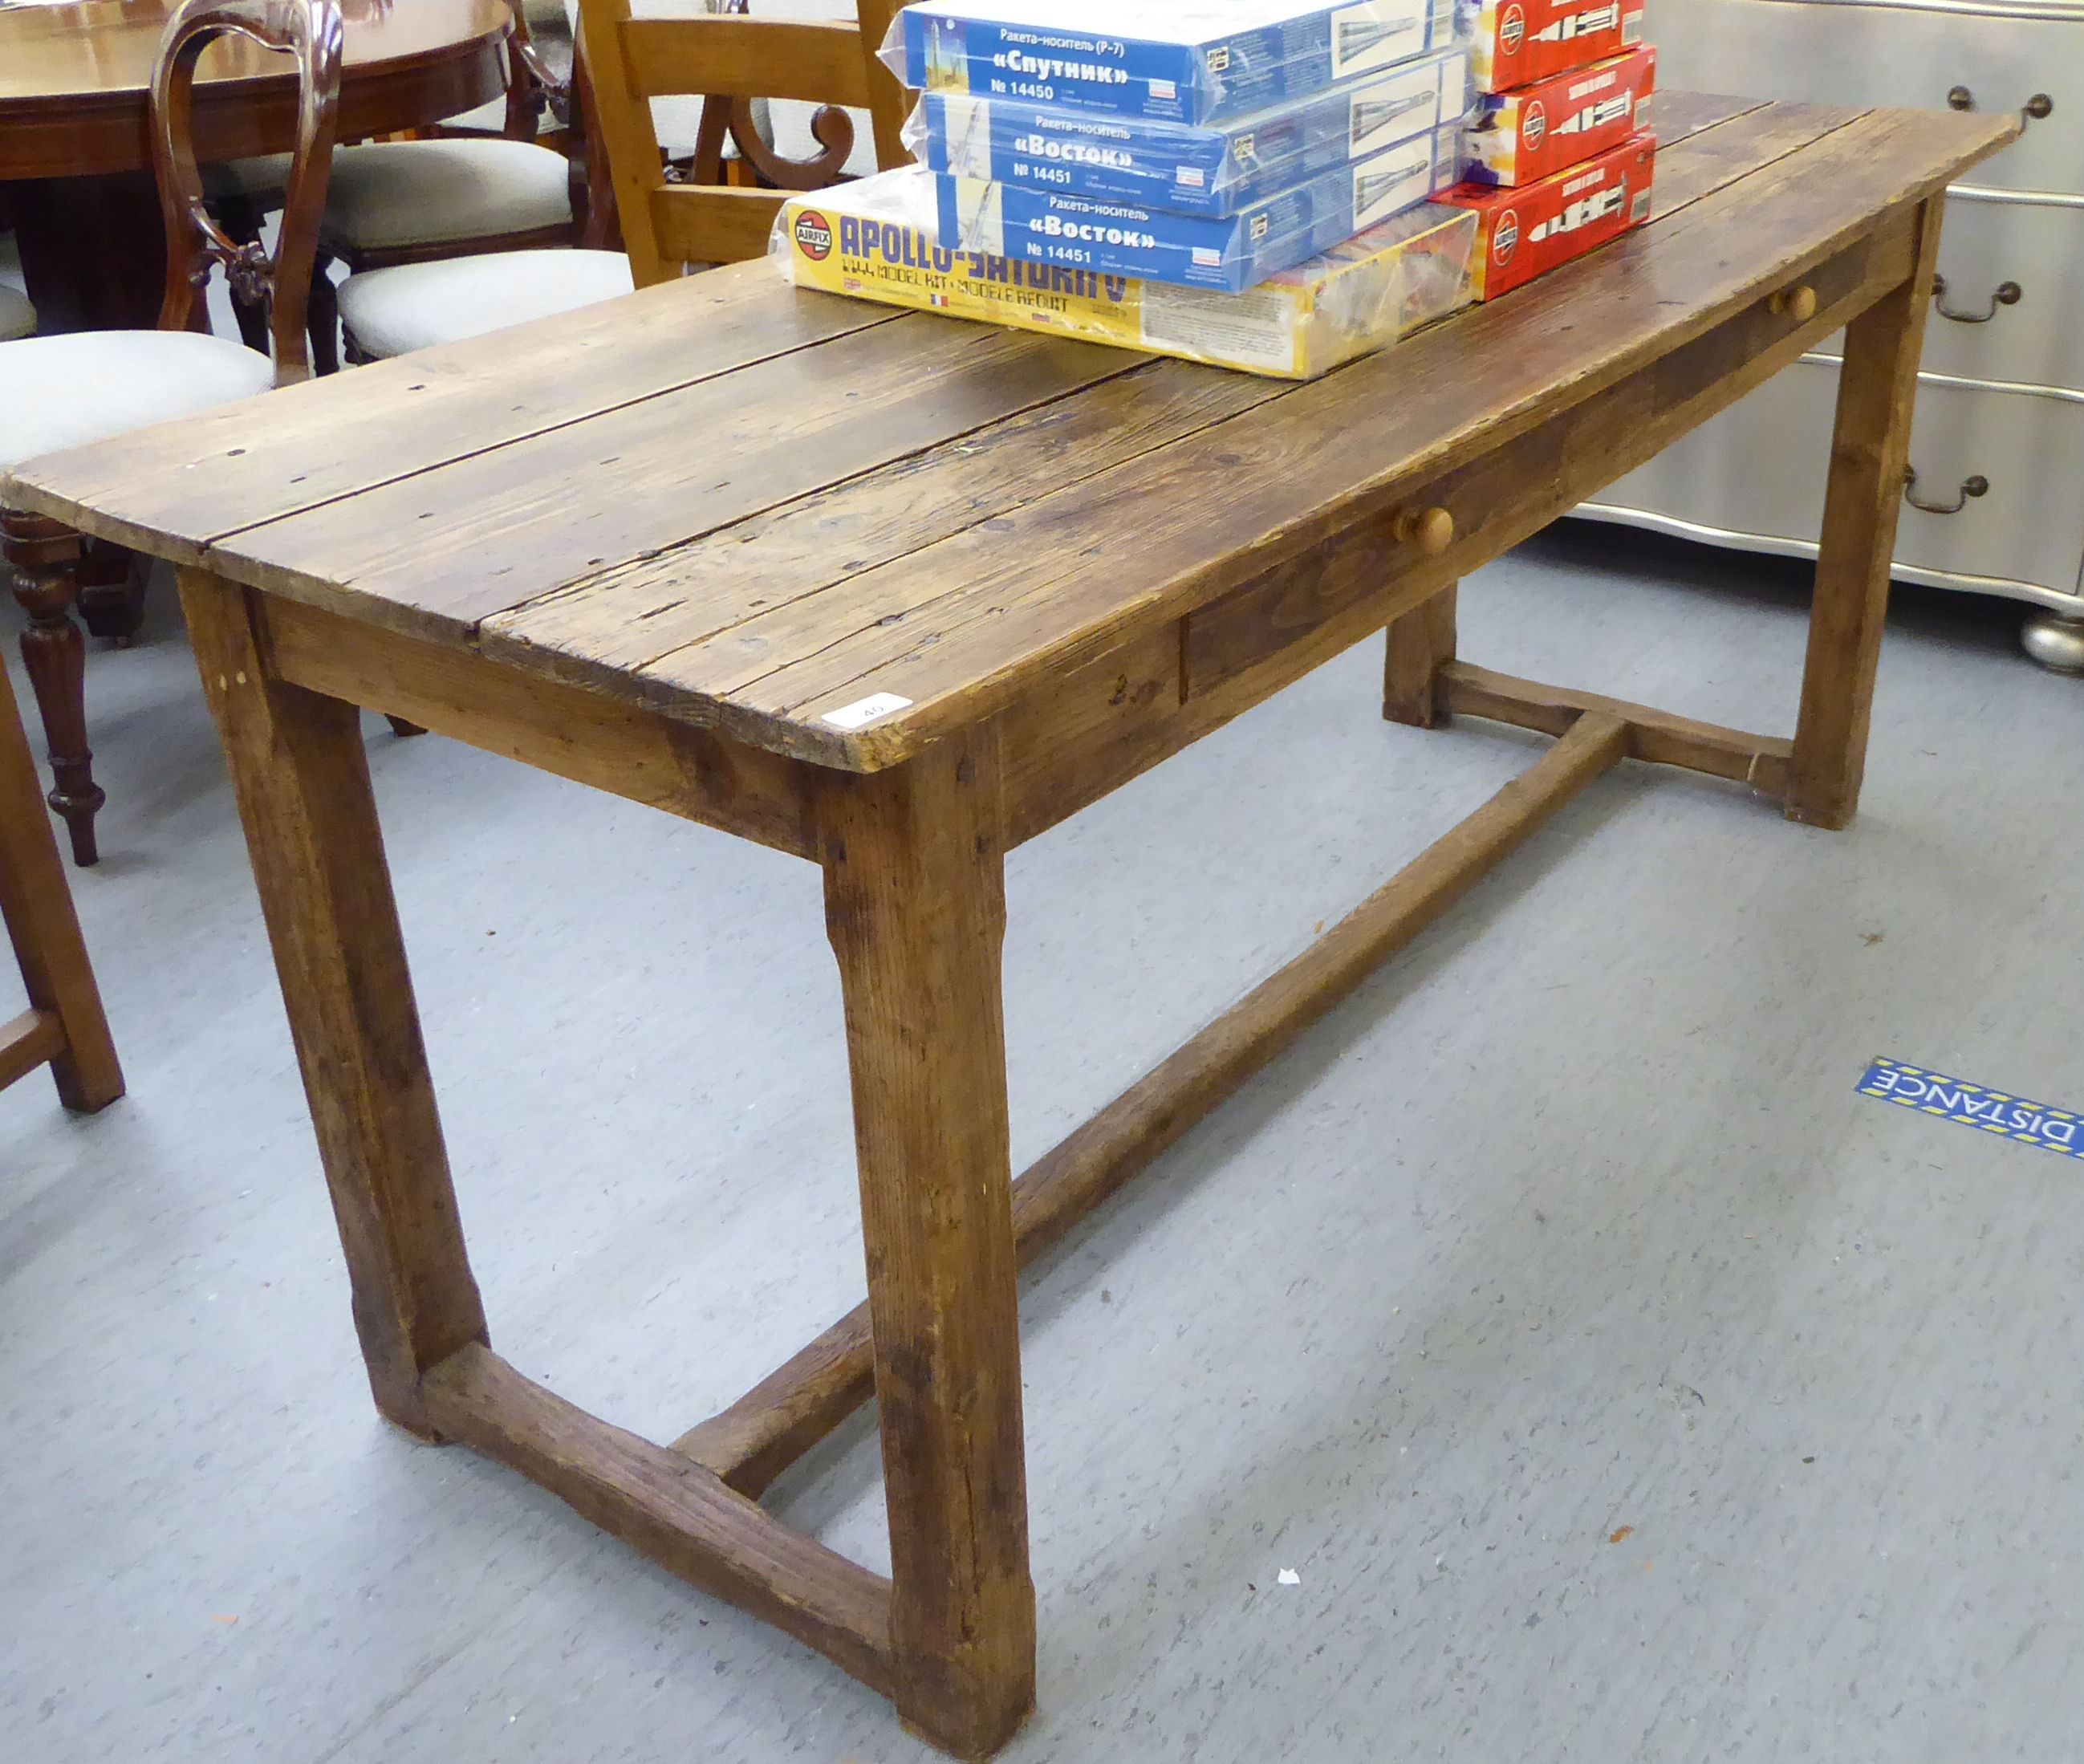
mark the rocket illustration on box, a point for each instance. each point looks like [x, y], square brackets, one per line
[1513, 42]
[1528, 231]
[1595, 117]
[1580, 214]
[1605, 18]
[1521, 136]
[1352, 39]
[1370, 119]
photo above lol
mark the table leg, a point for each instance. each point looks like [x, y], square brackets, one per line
[93, 251]
[44, 928]
[302, 778]
[1420, 644]
[46, 557]
[915, 907]
[1869, 447]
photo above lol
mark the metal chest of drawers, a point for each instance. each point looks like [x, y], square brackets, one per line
[1997, 503]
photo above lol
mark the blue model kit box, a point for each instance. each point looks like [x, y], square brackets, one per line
[1176, 61]
[1109, 238]
[1218, 168]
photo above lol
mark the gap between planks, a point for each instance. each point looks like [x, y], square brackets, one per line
[509, 630]
[960, 597]
[748, 1444]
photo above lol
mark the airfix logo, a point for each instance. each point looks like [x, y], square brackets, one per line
[1512, 30]
[1534, 125]
[1505, 240]
[814, 235]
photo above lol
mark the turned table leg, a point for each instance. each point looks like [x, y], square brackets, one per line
[1421, 642]
[301, 776]
[46, 554]
[915, 907]
[1869, 447]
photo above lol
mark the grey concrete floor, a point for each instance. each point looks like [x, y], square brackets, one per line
[1618, 1383]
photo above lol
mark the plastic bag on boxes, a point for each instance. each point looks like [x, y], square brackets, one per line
[1212, 169]
[1181, 60]
[875, 240]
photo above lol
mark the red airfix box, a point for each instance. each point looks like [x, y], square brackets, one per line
[1526, 232]
[1522, 136]
[1519, 41]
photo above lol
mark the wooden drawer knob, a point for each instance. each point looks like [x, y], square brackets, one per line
[1432, 530]
[1798, 303]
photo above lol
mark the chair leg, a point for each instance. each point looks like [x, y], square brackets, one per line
[46, 554]
[402, 728]
[112, 592]
[322, 318]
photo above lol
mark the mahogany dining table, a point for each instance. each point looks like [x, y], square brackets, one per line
[76, 159]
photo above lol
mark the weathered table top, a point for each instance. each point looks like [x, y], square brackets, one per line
[747, 507]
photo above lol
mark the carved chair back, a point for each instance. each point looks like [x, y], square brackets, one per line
[535, 93]
[309, 31]
[730, 60]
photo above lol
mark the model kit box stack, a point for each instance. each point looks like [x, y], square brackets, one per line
[1206, 143]
[1560, 158]
[1241, 182]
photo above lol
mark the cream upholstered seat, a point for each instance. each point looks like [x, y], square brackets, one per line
[65, 390]
[18, 318]
[392, 193]
[385, 194]
[415, 306]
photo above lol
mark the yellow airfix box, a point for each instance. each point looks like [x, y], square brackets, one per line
[877, 240]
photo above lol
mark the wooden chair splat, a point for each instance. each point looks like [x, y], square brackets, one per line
[730, 60]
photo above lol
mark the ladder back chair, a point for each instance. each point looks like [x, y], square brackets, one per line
[730, 60]
[65, 390]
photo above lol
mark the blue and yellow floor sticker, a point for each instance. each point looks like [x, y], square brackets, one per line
[1976, 1105]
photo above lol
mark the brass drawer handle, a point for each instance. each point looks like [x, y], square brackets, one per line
[1977, 486]
[2037, 108]
[2008, 294]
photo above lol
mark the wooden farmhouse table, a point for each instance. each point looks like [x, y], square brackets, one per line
[894, 593]
[75, 147]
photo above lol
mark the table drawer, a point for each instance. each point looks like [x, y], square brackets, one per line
[2038, 340]
[1757, 472]
[1843, 53]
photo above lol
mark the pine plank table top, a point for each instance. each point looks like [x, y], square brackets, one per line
[894, 592]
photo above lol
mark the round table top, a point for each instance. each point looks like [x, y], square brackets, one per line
[74, 80]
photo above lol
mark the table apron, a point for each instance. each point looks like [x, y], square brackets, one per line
[83, 137]
[694, 773]
[1085, 734]
[1091, 730]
